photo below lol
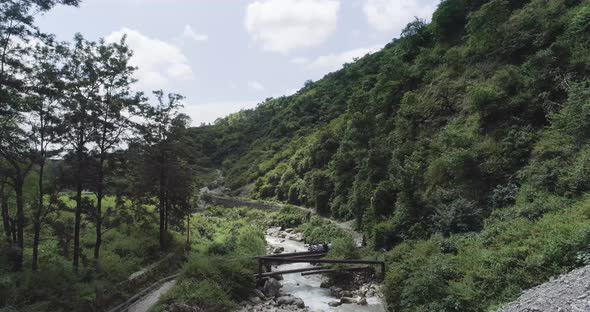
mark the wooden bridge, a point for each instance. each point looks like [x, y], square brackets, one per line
[312, 257]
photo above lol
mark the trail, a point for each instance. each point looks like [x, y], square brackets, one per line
[150, 300]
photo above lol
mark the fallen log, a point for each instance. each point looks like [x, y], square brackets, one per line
[267, 274]
[354, 269]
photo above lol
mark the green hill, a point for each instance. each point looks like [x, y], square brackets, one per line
[459, 146]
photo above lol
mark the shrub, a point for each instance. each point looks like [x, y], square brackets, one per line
[344, 248]
[321, 231]
[200, 293]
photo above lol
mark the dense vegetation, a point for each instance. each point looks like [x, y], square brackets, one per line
[462, 147]
[96, 181]
[461, 150]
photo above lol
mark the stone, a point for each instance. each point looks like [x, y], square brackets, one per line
[278, 250]
[271, 288]
[346, 293]
[255, 300]
[335, 291]
[362, 301]
[334, 303]
[285, 300]
[348, 300]
[298, 302]
[289, 230]
[259, 293]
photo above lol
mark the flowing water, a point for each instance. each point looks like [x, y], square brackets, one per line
[308, 287]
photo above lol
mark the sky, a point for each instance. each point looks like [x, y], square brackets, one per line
[228, 55]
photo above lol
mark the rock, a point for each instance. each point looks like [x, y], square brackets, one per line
[258, 293]
[285, 300]
[345, 293]
[278, 250]
[298, 302]
[273, 231]
[362, 301]
[334, 303]
[348, 300]
[289, 230]
[271, 288]
[335, 291]
[255, 300]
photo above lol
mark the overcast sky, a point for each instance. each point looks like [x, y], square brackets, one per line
[227, 55]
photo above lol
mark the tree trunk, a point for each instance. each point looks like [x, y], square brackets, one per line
[78, 218]
[188, 229]
[162, 206]
[37, 221]
[5, 214]
[36, 239]
[98, 241]
[99, 195]
[166, 210]
[20, 220]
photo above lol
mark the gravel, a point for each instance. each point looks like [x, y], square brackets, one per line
[567, 293]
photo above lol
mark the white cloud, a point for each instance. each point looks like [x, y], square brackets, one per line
[286, 25]
[255, 85]
[394, 15]
[335, 61]
[209, 112]
[180, 71]
[189, 33]
[158, 62]
[299, 60]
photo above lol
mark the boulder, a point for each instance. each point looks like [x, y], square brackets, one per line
[362, 301]
[334, 303]
[298, 302]
[271, 288]
[335, 291]
[345, 293]
[255, 300]
[259, 293]
[285, 300]
[348, 300]
[278, 250]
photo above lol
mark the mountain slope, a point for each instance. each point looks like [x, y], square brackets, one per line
[452, 134]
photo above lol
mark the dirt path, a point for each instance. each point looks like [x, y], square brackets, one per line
[150, 300]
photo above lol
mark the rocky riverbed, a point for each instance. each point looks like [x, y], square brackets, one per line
[307, 293]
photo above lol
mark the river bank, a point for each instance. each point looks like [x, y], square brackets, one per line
[295, 292]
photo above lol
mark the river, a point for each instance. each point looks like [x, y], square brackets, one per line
[308, 287]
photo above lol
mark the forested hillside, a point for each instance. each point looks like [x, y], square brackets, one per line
[461, 147]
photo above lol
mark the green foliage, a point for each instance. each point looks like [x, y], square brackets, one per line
[448, 21]
[200, 293]
[321, 231]
[480, 271]
[344, 248]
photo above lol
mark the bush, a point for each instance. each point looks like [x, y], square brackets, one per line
[321, 231]
[344, 248]
[289, 217]
[200, 293]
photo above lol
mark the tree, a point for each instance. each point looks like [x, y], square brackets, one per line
[83, 84]
[162, 122]
[111, 115]
[16, 32]
[43, 91]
